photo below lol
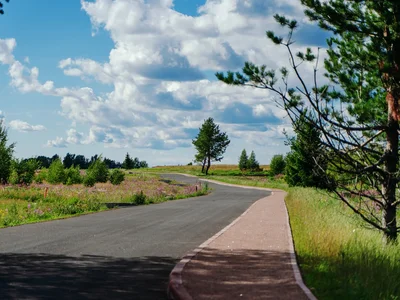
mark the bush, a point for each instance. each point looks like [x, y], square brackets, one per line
[56, 173]
[41, 176]
[98, 170]
[277, 165]
[89, 180]
[139, 198]
[73, 175]
[23, 171]
[117, 177]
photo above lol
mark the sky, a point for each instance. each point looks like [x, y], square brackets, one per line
[116, 76]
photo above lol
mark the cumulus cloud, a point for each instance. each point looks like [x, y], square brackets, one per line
[58, 142]
[158, 68]
[22, 126]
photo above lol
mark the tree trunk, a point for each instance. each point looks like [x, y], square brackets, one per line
[392, 159]
[204, 164]
[208, 165]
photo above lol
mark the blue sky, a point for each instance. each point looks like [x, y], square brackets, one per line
[137, 76]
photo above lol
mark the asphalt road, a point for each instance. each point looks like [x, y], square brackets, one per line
[125, 253]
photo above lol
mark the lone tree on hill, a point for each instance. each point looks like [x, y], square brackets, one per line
[358, 112]
[6, 154]
[243, 160]
[1, 7]
[210, 143]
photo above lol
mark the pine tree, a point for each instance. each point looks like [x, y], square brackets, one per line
[358, 112]
[210, 143]
[128, 162]
[252, 163]
[305, 164]
[243, 160]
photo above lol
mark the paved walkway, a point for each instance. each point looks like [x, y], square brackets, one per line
[253, 258]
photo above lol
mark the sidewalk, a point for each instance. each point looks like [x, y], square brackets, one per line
[253, 258]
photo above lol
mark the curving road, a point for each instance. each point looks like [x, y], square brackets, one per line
[120, 254]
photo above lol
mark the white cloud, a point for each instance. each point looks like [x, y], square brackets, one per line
[158, 68]
[6, 48]
[57, 143]
[24, 126]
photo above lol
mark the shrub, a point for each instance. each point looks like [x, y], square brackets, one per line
[73, 175]
[41, 176]
[23, 171]
[98, 170]
[139, 198]
[13, 179]
[89, 180]
[277, 165]
[56, 173]
[117, 177]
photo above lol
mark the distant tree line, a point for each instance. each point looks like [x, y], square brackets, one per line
[82, 162]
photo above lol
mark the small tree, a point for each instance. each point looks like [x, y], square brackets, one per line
[277, 165]
[56, 173]
[73, 175]
[128, 162]
[98, 170]
[6, 154]
[252, 163]
[23, 171]
[243, 160]
[117, 177]
[210, 143]
[305, 163]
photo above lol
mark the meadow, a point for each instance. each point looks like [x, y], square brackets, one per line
[339, 257]
[40, 202]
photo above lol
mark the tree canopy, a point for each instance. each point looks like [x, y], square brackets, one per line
[357, 112]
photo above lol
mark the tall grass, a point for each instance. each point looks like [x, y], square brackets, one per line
[338, 256]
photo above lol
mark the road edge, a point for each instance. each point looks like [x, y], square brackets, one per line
[176, 289]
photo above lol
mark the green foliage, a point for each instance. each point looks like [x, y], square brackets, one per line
[243, 160]
[305, 163]
[41, 176]
[277, 165]
[128, 162]
[98, 170]
[139, 198]
[210, 143]
[143, 164]
[6, 154]
[73, 175]
[56, 173]
[117, 176]
[252, 163]
[89, 180]
[23, 171]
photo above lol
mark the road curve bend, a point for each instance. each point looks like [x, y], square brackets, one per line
[119, 254]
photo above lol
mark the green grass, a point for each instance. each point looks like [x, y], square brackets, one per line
[22, 205]
[338, 256]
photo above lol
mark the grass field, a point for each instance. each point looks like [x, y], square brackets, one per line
[339, 258]
[218, 170]
[39, 202]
